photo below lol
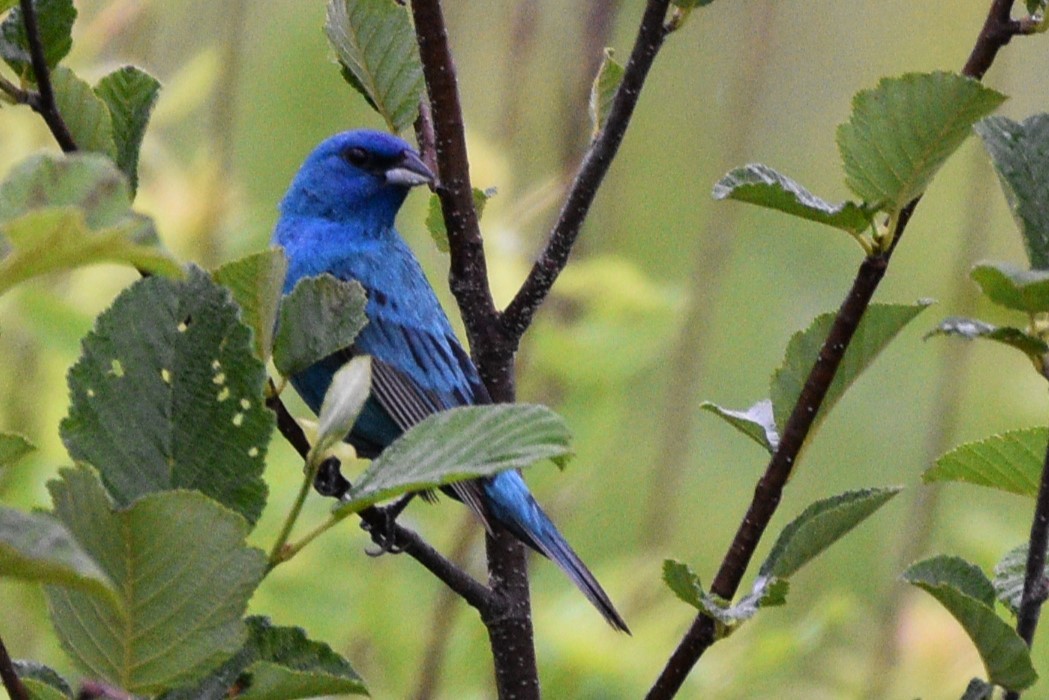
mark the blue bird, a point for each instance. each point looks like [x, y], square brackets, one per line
[338, 218]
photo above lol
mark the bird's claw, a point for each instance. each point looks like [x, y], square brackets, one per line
[382, 530]
[329, 480]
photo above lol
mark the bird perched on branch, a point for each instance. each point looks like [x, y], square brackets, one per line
[338, 218]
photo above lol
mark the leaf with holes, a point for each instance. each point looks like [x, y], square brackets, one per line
[130, 94]
[880, 324]
[819, 526]
[256, 282]
[167, 394]
[756, 422]
[54, 20]
[971, 328]
[277, 662]
[37, 547]
[318, 317]
[1011, 462]
[458, 444]
[60, 213]
[761, 185]
[183, 574]
[1013, 287]
[900, 133]
[375, 44]
[969, 597]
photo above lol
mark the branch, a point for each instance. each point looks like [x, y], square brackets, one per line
[401, 538]
[769, 490]
[12, 683]
[1036, 587]
[43, 102]
[650, 37]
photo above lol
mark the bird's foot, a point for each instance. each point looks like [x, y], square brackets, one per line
[329, 480]
[382, 528]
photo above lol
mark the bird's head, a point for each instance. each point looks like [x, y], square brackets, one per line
[357, 175]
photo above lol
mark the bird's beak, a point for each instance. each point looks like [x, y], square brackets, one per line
[409, 171]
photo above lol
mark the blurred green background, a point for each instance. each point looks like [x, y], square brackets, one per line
[670, 299]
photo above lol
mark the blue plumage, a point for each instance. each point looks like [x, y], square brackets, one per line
[338, 218]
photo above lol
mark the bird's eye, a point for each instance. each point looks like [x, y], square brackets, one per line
[356, 156]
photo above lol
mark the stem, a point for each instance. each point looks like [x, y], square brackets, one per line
[12, 683]
[651, 34]
[278, 554]
[1036, 587]
[44, 101]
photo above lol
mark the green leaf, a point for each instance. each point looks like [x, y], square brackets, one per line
[277, 663]
[54, 20]
[60, 213]
[435, 216]
[36, 547]
[130, 94]
[880, 324]
[761, 185]
[1012, 287]
[168, 395]
[684, 582]
[971, 328]
[1009, 576]
[1020, 153]
[184, 576]
[819, 526]
[901, 132]
[42, 682]
[85, 113]
[969, 597]
[13, 448]
[1011, 462]
[375, 44]
[757, 422]
[603, 91]
[686, 585]
[256, 282]
[321, 315]
[343, 402]
[458, 444]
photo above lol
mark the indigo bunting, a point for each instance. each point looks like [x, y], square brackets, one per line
[338, 218]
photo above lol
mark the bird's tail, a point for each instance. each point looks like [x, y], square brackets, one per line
[512, 506]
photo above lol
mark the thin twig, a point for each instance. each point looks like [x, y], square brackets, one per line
[44, 101]
[402, 539]
[770, 488]
[12, 683]
[651, 34]
[16, 93]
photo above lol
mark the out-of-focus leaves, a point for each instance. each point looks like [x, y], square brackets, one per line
[1012, 287]
[168, 395]
[256, 282]
[130, 94]
[183, 574]
[1011, 462]
[761, 185]
[37, 547]
[880, 324]
[375, 44]
[461, 443]
[59, 213]
[969, 597]
[13, 448]
[42, 682]
[972, 328]
[343, 402]
[319, 316]
[902, 131]
[54, 20]
[277, 663]
[819, 526]
[84, 112]
[757, 422]
[603, 91]
[435, 217]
